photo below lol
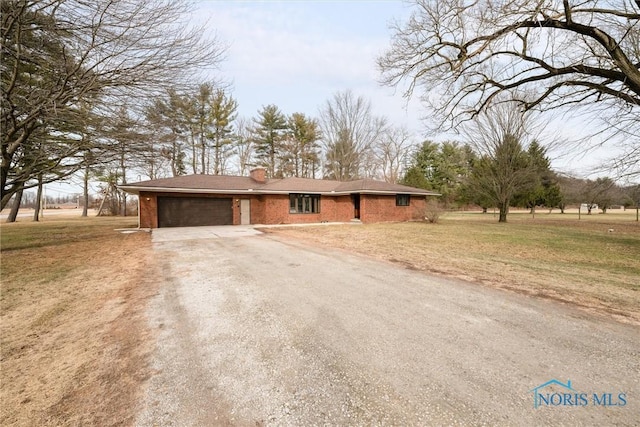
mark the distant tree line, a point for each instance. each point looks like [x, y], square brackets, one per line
[457, 172]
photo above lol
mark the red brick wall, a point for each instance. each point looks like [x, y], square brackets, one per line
[257, 209]
[332, 209]
[341, 207]
[377, 208]
[148, 210]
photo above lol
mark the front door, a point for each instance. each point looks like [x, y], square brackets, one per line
[245, 212]
[356, 205]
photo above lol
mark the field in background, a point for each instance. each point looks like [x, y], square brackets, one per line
[48, 214]
[73, 334]
[593, 263]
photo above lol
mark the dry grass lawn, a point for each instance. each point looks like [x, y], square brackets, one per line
[74, 340]
[550, 256]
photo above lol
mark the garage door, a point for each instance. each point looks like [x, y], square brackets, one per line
[194, 211]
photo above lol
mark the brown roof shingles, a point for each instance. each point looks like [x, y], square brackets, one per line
[301, 185]
[199, 182]
[226, 184]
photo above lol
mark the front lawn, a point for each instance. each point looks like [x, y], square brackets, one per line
[593, 262]
[73, 336]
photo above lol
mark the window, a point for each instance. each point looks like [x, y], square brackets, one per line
[402, 199]
[304, 203]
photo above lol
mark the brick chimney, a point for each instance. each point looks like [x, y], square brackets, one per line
[259, 175]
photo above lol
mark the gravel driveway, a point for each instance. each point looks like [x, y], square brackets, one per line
[253, 330]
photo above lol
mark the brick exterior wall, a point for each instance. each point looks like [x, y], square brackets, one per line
[148, 210]
[332, 209]
[377, 208]
[274, 208]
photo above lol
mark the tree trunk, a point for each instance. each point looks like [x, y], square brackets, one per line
[174, 158]
[194, 154]
[504, 210]
[17, 199]
[204, 153]
[104, 198]
[85, 192]
[216, 155]
[272, 160]
[36, 213]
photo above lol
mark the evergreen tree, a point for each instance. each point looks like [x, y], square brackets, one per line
[223, 113]
[165, 116]
[442, 168]
[544, 188]
[270, 127]
[300, 156]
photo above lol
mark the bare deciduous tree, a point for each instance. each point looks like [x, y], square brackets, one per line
[349, 130]
[546, 55]
[392, 151]
[601, 192]
[500, 135]
[243, 146]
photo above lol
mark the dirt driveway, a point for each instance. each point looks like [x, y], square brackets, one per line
[253, 330]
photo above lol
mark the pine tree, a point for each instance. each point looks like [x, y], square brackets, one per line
[301, 146]
[223, 113]
[270, 127]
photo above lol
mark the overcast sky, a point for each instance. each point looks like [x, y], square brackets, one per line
[297, 54]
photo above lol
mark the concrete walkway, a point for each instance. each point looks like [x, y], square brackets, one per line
[172, 234]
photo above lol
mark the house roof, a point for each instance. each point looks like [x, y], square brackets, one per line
[224, 184]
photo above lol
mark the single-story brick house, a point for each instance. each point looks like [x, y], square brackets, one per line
[193, 200]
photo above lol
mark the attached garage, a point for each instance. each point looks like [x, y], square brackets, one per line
[194, 211]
